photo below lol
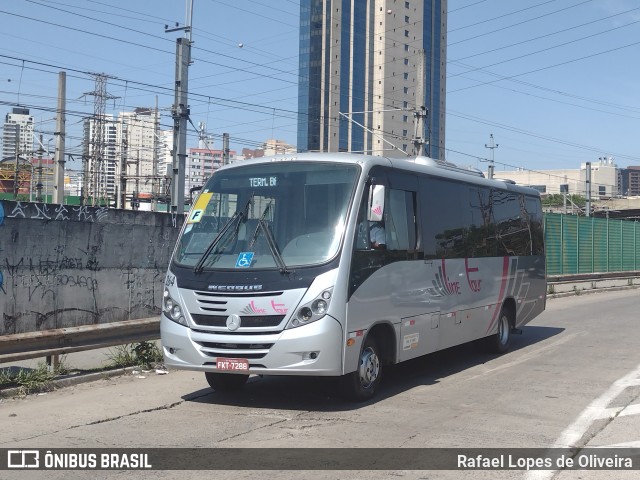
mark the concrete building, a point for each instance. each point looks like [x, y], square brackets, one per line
[277, 147]
[604, 179]
[380, 62]
[17, 132]
[630, 181]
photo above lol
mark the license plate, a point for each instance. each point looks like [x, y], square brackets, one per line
[232, 364]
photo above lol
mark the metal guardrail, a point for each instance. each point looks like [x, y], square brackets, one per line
[46, 343]
[565, 285]
[59, 341]
[586, 277]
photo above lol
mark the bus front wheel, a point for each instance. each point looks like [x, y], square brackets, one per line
[226, 382]
[362, 384]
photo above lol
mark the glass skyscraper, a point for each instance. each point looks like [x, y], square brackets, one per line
[372, 76]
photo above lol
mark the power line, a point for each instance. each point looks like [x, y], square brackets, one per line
[549, 67]
[541, 137]
[518, 23]
[564, 30]
[500, 16]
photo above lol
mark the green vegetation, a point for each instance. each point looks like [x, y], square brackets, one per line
[557, 200]
[144, 354]
[31, 380]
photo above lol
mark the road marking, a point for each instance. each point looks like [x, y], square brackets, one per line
[570, 437]
[621, 411]
[574, 432]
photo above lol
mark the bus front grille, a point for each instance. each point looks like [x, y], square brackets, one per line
[246, 320]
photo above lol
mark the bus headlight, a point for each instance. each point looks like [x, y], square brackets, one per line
[313, 310]
[172, 310]
[305, 314]
[319, 307]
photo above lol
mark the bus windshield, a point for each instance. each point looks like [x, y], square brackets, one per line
[272, 215]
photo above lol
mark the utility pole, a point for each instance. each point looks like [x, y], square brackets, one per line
[588, 187]
[39, 184]
[58, 183]
[418, 140]
[124, 154]
[420, 112]
[180, 111]
[156, 158]
[225, 149]
[16, 178]
[492, 147]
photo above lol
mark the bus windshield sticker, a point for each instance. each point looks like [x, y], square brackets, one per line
[196, 216]
[244, 259]
[198, 209]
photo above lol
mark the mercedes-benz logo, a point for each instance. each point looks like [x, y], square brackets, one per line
[233, 322]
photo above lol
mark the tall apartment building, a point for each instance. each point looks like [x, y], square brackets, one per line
[128, 160]
[165, 152]
[382, 63]
[17, 131]
[200, 165]
[139, 146]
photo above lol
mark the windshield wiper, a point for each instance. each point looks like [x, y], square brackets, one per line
[282, 267]
[271, 242]
[254, 237]
[234, 222]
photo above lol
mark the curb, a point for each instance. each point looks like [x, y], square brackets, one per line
[551, 296]
[71, 380]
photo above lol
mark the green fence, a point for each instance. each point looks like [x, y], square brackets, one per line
[590, 245]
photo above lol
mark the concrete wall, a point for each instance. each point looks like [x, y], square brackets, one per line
[63, 265]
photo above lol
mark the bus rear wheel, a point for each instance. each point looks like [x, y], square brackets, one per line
[500, 341]
[226, 382]
[362, 384]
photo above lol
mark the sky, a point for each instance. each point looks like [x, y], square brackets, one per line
[556, 82]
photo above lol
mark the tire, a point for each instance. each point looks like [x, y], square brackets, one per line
[226, 382]
[500, 341]
[362, 384]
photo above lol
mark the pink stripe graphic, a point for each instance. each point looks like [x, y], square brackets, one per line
[505, 273]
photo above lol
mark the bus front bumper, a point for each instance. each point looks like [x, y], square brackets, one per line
[313, 349]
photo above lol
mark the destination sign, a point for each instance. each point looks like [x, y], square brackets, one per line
[263, 182]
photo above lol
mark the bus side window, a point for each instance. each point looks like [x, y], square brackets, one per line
[400, 221]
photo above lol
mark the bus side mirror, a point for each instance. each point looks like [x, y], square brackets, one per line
[376, 203]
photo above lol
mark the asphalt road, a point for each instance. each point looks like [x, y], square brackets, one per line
[571, 379]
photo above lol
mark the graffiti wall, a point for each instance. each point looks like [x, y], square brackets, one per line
[64, 266]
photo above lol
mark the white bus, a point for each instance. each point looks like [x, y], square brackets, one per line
[276, 271]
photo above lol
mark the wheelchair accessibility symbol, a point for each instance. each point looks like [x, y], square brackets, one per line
[244, 259]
